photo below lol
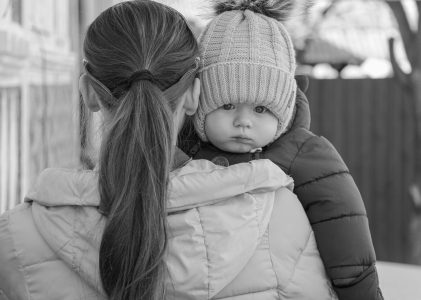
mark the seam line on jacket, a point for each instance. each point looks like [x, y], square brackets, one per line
[72, 243]
[370, 269]
[256, 214]
[278, 292]
[247, 293]
[356, 265]
[361, 270]
[321, 178]
[278, 288]
[296, 154]
[340, 217]
[206, 248]
[170, 277]
[299, 258]
[17, 256]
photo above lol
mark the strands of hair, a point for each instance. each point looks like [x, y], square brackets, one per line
[137, 144]
[280, 10]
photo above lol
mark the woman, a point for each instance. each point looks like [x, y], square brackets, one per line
[149, 223]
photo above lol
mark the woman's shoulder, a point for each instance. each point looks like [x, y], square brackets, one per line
[294, 251]
[289, 229]
[218, 235]
[21, 242]
[17, 221]
[201, 182]
[20, 247]
[289, 219]
[46, 236]
[50, 210]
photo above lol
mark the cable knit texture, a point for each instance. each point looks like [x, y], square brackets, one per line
[247, 57]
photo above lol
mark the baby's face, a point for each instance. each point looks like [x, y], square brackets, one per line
[240, 128]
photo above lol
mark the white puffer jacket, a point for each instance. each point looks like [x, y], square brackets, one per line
[234, 233]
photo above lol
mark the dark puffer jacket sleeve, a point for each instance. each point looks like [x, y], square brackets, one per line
[335, 209]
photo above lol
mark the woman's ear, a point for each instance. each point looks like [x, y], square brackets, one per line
[90, 97]
[192, 99]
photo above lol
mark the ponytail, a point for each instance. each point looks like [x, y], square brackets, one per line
[139, 58]
[133, 176]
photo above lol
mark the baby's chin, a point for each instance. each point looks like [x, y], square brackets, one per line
[236, 147]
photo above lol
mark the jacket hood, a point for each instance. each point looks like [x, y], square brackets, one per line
[198, 183]
[301, 118]
[65, 205]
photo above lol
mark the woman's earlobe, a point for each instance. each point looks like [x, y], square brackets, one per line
[89, 95]
[192, 101]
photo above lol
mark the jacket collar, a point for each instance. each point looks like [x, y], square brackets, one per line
[180, 159]
[192, 183]
[77, 187]
[301, 118]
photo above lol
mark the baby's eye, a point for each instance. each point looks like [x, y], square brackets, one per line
[228, 106]
[260, 109]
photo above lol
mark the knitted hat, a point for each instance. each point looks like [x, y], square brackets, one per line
[247, 57]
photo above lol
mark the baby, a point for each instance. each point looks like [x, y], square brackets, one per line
[248, 109]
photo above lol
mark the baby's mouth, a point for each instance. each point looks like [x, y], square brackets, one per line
[242, 139]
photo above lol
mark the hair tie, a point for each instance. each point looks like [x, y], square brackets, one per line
[141, 75]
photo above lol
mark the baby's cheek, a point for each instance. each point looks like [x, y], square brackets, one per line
[211, 131]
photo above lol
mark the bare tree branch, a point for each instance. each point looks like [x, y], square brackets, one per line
[315, 29]
[402, 77]
[316, 25]
[417, 48]
[408, 36]
[327, 9]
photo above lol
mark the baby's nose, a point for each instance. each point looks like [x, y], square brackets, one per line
[243, 119]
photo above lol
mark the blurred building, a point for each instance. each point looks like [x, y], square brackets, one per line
[38, 124]
[40, 45]
[350, 37]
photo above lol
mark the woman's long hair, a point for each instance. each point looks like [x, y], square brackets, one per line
[136, 150]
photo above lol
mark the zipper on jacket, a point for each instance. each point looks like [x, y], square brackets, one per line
[255, 153]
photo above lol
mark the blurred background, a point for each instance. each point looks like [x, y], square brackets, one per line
[363, 58]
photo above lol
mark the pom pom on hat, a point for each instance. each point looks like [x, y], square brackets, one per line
[279, 10]
[247, 57]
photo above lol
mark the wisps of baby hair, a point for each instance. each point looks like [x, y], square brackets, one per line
[280, 10]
